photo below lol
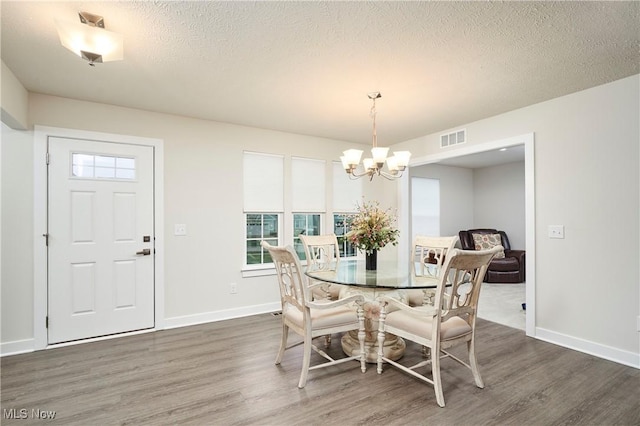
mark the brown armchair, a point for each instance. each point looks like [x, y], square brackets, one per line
[510, 269]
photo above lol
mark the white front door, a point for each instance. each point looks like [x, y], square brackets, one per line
[100, 238]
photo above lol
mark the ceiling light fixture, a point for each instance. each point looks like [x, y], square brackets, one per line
[89, 40]
[373, 166]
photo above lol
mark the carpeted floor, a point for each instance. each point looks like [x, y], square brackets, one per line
[502, 303]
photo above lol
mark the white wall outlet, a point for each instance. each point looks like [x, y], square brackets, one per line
[556, 231]
[180, 229]
[233, 288]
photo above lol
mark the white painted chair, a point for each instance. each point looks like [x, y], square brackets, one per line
[450, 322]
[311, 319]
[323, 254]
[427, 255]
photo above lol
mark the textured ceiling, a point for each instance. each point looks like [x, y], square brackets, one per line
[306, 67]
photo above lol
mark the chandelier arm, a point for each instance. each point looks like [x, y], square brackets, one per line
[390, 176]
[371, 173]
[353, 175]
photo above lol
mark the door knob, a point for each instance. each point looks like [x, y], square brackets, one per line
[145, 252]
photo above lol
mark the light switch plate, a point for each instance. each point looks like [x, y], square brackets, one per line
[556, 231]
[180, 229]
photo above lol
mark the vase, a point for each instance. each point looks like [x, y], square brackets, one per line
[371, 260]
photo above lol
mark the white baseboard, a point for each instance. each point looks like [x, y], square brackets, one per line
[206, 317]
[596, 349]
[28, 345]
[17, 347]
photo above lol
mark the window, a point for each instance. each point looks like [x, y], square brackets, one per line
[347, 194]
[93, 166]
[263, 185]
[260, 227]
[306, 224]
[425, 206]
[341, 225]
[308, 197]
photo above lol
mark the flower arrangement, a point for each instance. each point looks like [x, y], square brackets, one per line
[372, 228]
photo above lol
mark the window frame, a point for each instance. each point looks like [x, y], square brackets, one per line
[303, 259]
[342, 242]
[77, 155]
[279, 237]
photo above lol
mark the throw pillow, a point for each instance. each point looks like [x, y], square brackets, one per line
[488, 241]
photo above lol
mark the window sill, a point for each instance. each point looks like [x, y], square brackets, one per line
[261, 272]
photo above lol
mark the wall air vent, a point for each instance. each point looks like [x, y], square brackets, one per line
[453, 138]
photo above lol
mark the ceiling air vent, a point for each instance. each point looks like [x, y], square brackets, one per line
[453, 138]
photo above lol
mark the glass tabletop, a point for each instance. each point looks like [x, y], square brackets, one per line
[388, 275]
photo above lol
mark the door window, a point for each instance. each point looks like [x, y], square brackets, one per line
[98, 166]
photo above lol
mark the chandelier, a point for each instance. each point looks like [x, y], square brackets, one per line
[396, 164]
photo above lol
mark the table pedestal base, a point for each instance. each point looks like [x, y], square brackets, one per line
[393, 347]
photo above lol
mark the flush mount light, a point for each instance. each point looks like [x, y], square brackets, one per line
[373, 166]
[89, 40]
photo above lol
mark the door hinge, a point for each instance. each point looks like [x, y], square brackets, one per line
[46, 158]
[46, 239]
[46, 322]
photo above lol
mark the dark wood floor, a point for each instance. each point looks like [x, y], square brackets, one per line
[223, 373]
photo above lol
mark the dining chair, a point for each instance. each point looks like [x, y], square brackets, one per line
[428, 255]
[323, 254]
[449, 322]
[311, 319]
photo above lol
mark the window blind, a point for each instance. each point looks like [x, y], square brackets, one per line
[347, 193]
[308, 185]
[263, 182]
[425, 206]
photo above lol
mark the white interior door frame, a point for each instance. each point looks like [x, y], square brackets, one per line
[40, 206]
[528, 139]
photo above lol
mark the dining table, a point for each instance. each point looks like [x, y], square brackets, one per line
[389, 279]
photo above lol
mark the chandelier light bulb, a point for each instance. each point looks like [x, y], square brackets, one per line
[379, 154]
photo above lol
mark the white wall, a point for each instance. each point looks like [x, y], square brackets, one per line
[17, 235]
[14, 99]
[203, 189]
[456, 195]
[499, 201]
[587, 179]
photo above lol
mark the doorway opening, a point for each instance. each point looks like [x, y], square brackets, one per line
[524, 142]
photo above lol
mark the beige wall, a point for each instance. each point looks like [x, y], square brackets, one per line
[586, 178]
